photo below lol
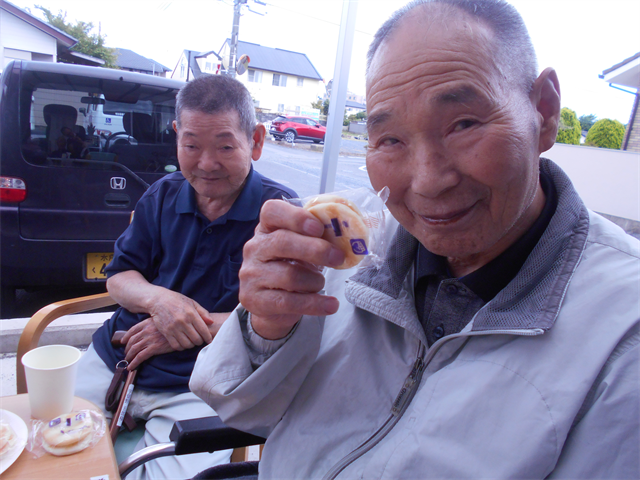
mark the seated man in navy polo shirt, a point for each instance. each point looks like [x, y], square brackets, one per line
[175, 269]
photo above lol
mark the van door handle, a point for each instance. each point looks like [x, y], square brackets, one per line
[117, 200]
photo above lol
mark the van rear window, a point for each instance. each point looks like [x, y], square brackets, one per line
[97, 123]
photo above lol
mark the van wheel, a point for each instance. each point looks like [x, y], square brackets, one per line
[7, 302]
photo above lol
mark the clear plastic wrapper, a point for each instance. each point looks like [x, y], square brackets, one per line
[354, 221]
[67, 434]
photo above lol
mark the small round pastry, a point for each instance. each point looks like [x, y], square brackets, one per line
[344, 227]
[68, 433]
[7, 437]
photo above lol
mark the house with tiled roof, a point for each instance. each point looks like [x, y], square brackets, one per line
[133, 62]
[26, 37]
[351, 107]
[280, 81]
[354, 104]
[627, 74]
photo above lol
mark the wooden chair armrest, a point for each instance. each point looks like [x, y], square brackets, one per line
[42, 318]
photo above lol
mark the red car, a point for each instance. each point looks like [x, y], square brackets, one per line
[292, 127]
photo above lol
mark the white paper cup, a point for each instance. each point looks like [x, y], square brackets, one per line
[51, 379]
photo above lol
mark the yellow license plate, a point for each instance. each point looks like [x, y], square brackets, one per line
[95, 265]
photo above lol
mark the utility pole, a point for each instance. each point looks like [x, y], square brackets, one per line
[235, 30]
[233, 51]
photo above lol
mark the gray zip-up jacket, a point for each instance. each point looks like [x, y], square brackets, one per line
[542, 383]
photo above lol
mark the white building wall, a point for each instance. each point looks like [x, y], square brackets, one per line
[291, 97]
[19, 40]
[208, 64]
[180, 72]
[607, 180]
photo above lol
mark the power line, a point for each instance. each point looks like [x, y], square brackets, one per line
[315, 18]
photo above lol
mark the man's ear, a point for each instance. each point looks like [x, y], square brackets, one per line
[545, 96]
[175, 126]
[258, 141]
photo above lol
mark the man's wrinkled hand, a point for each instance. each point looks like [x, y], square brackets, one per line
[281, 272]
[143, 341]
[181, 320]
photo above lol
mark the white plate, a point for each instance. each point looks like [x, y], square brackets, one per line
[22, 433]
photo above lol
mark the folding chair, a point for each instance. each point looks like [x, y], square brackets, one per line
[42, 318]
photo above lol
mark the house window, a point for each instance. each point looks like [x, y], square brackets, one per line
[300, 81]
[255, 76]
[281, 107]
[297, 110]
[182, 71]
[207, 66]
[279, 80]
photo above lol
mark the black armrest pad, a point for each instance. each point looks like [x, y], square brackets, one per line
[208, 434]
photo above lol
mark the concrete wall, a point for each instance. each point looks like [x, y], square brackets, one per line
[357, 127]
[607, 180]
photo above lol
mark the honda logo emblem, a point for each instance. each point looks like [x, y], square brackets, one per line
[118, 183]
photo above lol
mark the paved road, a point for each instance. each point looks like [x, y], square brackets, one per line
[299, 168]
[348, 146]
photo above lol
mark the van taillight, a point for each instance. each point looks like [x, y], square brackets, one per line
[12, 189]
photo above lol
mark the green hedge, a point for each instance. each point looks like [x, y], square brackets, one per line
[606, 133]
[569, 130]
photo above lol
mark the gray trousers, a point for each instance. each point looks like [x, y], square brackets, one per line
[160, 411]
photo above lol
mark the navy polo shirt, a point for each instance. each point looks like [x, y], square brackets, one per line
[174, 246]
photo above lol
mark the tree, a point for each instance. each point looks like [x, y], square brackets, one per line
[88, 43]
[587, 121]
[569, 130]
[357, 117]
[606, 133]
[322, 106]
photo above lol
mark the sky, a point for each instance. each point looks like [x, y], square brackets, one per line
[579, 38]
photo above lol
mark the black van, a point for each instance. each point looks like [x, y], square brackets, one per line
[78, 147]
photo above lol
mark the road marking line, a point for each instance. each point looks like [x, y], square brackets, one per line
[293, 168]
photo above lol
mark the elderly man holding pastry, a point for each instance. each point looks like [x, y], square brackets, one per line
[498, 338]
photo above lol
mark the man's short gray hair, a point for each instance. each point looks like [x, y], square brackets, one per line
[516, 56]
[212, 94]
